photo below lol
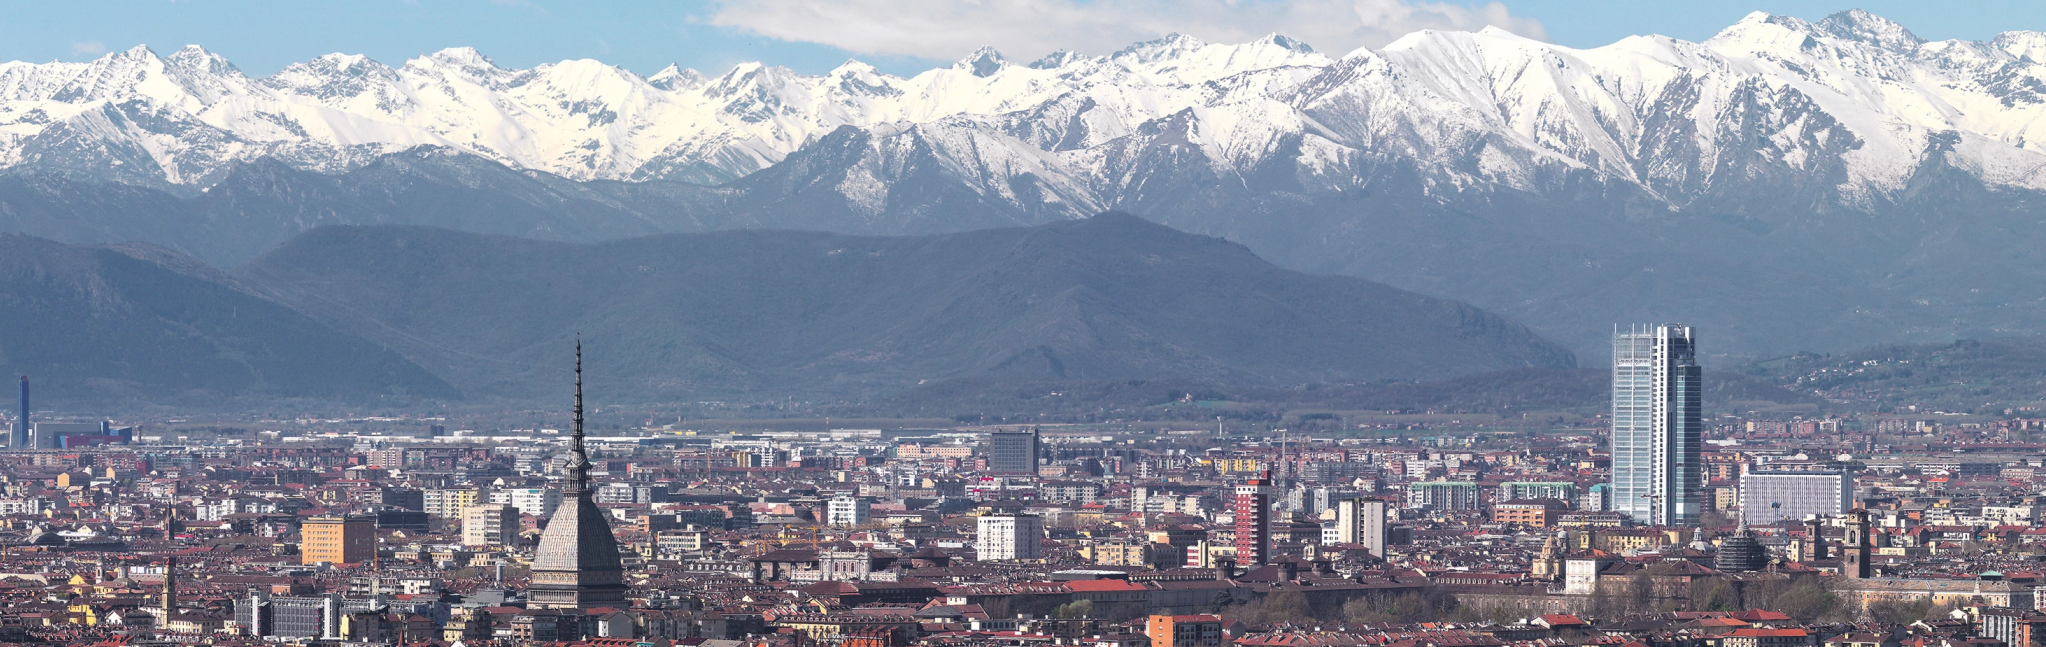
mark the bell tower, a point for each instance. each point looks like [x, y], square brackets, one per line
[1855, 550]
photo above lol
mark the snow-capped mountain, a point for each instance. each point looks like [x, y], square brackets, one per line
[1649, 178]
[188, 117]
[1669, 116]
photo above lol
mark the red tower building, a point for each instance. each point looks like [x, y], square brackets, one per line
[1254, 520]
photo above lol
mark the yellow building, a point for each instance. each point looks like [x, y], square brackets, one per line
[1629, 540]
[1238, 464]
[338, 540]
[1118, 552]
[451, 503]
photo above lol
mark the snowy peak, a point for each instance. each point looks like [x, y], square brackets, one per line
[1862, 26]
[983, 62]
[1761, 31]
[206, 75]
[755, 79]
[460, 57]
[195, 60]
[1170, 47]
[674, 78]
[1055, 60]
[1282, 42]
[860, 81]
[459, 63]
[335, 79]
[2027, 45]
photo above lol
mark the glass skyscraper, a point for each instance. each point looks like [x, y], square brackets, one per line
[1658, 426]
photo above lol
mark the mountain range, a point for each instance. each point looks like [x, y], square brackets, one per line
[139, 323]
[1784, 185]
[396, 314]
[754, 315]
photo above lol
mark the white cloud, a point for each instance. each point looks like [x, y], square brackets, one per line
[88, 48]
[946, 29]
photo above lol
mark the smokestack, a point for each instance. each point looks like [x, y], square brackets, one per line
[21, 423]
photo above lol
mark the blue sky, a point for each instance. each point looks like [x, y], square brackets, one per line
[899, 36]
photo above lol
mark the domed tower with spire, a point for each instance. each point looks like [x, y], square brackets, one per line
[577, 565]
[1740, 552]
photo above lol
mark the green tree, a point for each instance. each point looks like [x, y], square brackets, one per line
[1429, 606]
[1221, 599]
[1075, 609]
[1714, 594]
[1640, 592]
[1906, 612]
[1365, 610]
[1809, 600]
[1280, 607]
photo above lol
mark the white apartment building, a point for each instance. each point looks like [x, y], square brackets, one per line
[539, 502]
[848, 511]
[493, 524]
[1005, 537]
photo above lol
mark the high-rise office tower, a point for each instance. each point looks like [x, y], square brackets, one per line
[1013, 452]
[1657, 425]
[21, 429]
[1254, 520]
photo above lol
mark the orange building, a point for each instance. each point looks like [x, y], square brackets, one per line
[1185, 631]
[338, 540]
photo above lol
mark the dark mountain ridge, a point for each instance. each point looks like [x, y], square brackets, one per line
[98, 324]
[761, 314]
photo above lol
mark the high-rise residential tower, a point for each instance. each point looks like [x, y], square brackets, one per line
[1004, 537]
[848, 511]
[577, 565]
[1362, 521]
[1658, 477]
[491, 524]
[1254, 520]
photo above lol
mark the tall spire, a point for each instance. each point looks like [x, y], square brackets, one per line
[578, 458]
[578, 437]
[577, 564]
